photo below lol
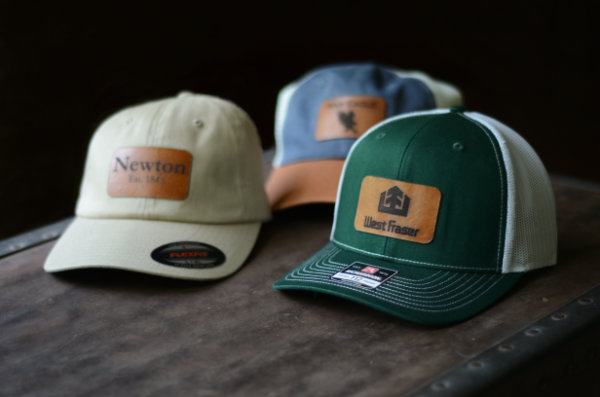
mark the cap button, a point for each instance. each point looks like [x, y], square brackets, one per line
[458, 109]
[184, 94]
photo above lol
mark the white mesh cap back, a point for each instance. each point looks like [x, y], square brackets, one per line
[531, 234]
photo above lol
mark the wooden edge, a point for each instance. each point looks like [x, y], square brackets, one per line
[34, 237]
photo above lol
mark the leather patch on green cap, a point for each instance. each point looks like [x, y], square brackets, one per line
[396, 209]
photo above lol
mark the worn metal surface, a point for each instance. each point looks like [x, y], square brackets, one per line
[106, 332]
[38, 236]
[557, 355]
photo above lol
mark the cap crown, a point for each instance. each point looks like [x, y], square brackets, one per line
[210, 144]
[495, 208]
[354, 97]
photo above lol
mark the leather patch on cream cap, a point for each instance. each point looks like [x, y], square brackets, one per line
[396, 209]
[348, 116]
[150, 172]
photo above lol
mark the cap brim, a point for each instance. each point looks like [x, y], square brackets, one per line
[418, 294]
[306, 182]
[128, 244]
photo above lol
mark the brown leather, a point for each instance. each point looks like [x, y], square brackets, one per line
[418, 224]
[303, 183]
[150, 172]
[348, 116]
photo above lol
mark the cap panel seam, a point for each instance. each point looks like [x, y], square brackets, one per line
[400, 259]
[501, 220]
[362, 137]
[402, 162]
[158, 114]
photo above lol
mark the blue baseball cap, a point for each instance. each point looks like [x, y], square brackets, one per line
[320, 116]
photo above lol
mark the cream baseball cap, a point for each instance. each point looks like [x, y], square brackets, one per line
[173, 188]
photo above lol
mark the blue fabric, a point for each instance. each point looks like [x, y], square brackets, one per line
[401, 95]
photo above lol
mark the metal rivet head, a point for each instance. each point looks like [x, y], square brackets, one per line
[49, 235]
[558, 316]
[506, 347]
[533, 332]
[441, 385]
[475, 365]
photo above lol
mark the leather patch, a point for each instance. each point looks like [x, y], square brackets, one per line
[348, 116]
[397, 209]
[150, 172]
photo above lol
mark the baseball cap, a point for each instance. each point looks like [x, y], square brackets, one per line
[439, 213]
[171, 187]
[321, 115]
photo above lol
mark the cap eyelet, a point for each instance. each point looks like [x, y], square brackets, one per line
[198, 123]
[381, 135]
[458, 146]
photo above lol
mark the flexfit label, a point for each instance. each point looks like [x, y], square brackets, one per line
[363, 275]
[188, 254]
[150, 172]
[348, 116]
[397, 209]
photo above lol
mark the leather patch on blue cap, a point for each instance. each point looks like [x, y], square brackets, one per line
[348, 117]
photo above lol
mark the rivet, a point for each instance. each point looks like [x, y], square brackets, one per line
[16, 246]
[50, 234]
[441, 385]
[475, 365]
[506, 347]
[558, 316]
[533, 332]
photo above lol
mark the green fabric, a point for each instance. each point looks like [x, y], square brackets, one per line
[471, 177]
[419, 294]
[458, 273]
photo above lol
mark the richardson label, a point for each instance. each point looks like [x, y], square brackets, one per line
[363, 275]
[188, 254]
[150, 172]
[348, 116]
[397, 209]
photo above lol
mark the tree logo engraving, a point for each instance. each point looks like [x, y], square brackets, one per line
[394, 201]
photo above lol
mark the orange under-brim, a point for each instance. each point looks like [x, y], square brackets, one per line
[306, 182]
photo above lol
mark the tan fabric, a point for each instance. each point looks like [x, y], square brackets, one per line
[127, 244]
[189, 169]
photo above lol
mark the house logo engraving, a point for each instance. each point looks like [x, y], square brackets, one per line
[394, 201]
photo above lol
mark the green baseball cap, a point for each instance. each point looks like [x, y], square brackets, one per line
[438, 215]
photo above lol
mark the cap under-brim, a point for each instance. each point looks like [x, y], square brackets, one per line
[129, 244]
[418, 294]
[305, 182]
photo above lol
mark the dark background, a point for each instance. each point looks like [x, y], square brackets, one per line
[66, 67]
